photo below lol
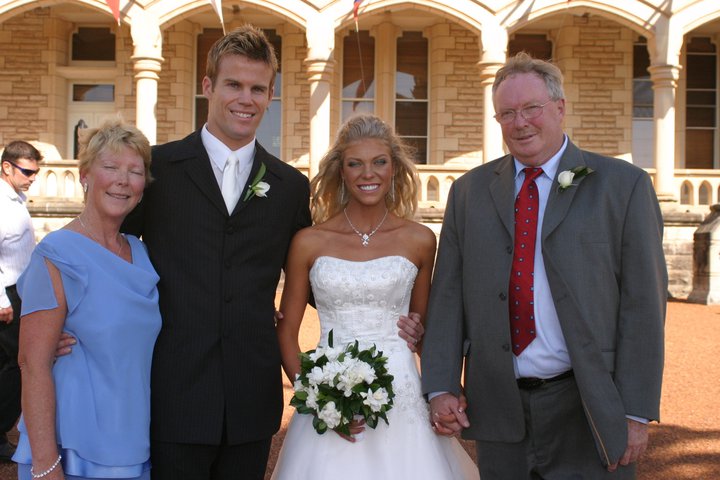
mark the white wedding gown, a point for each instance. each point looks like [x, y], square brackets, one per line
[363, 301]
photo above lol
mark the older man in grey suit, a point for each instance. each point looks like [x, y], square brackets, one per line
[550, 290]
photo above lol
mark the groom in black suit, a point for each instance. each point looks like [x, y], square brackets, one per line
[216, 383]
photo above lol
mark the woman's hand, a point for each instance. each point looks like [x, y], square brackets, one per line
[357, 427]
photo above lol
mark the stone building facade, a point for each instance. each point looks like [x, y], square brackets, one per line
[641, 82]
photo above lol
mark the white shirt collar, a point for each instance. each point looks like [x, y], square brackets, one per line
[8, 191]
[219, 152]
[550, 167]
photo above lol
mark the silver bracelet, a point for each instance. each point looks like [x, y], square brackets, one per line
[46, 472]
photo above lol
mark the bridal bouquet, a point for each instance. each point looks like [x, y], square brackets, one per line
[337, 384]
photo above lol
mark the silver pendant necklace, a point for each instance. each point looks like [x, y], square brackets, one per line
[365, 237]
[119, 237]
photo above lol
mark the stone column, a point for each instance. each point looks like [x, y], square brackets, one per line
[386, 35]
[147, 60]
[494, 54]
[320, 65]
[664, 78]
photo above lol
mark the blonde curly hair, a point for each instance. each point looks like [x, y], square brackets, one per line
[326, 186]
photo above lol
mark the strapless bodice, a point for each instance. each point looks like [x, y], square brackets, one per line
[362, 300]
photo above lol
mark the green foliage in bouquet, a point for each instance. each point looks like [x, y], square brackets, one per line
[337, 384]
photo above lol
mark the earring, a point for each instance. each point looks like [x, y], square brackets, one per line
[342, 191]
[84, 187]
[392, 190]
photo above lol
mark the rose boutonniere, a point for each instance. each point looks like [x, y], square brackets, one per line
[257, 186]
[566, 177]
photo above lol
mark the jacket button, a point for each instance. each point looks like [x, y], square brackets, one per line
[229, 230]
[228, 297]
[506, 347]
[228, 264]
[502, 296]
[509, 249]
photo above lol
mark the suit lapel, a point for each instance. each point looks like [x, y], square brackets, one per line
[559, 202]
[199, 170]
[502, 190]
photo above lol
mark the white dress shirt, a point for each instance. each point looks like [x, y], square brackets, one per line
[219, 153]
[547, 355]
[17, 238]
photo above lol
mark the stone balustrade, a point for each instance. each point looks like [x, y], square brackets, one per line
[59, 181]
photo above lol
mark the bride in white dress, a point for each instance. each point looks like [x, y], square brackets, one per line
[367, 263]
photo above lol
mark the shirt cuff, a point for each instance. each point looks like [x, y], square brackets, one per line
[4, 299]
[642, 420]
[434, 394]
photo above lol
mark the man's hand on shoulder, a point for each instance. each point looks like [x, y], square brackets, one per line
[411, 330]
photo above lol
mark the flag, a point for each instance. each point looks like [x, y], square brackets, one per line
[115, 9]
[217, 6]
[356, 5]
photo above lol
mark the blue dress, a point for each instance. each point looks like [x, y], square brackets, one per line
[102, 388]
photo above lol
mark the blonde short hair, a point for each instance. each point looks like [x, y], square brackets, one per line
[112, 136]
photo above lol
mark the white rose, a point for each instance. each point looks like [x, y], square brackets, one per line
[298, 385]
[375, 400]
[365, 371]
[312, 397]
[565, 178]
[319, 352]
[261, 189]
[330, 415]
[332, 353]
[316, 376]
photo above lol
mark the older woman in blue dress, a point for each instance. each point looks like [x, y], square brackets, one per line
[87, 414]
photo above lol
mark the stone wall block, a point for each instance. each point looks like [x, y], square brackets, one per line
[706, 260]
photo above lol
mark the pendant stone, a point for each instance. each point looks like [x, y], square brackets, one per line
[365, 239]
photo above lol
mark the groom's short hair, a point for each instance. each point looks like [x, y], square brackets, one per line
[248, 41]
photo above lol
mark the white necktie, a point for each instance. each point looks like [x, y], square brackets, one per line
[230, 190]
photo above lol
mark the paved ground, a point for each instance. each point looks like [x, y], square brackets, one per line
[686, 445]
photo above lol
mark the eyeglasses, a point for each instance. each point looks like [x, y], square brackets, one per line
[28, 172]
[528, 113]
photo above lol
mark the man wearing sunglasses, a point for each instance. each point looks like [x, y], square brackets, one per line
[17, 241]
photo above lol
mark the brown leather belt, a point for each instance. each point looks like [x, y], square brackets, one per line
[531, 383]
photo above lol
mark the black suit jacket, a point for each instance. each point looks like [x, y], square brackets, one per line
[216, 360]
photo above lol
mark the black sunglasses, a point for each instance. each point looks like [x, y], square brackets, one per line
[28, 172]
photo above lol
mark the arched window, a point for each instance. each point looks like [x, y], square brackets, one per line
[69, 187]
[433, 190]
[51, 187]
[686, 194]
[705, 194]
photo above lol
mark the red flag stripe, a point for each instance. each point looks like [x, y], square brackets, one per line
[356, 5]
[115, 9]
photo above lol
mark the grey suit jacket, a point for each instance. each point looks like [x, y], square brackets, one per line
[602, 249]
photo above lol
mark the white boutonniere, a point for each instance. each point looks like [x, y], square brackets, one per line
[566, 177]
[257, 186]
